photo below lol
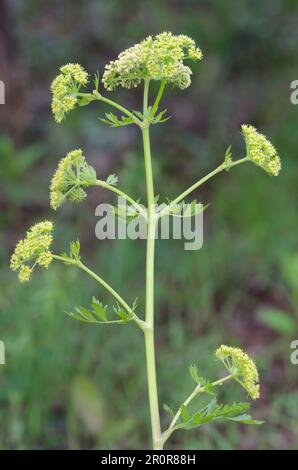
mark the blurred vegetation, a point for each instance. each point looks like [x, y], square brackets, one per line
[70, 385]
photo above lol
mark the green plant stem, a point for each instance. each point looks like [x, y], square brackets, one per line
[198, 389]
[149, 333]
[115, 190]
[117, 106]
[203, 180]
[158, 98]
[115, 294]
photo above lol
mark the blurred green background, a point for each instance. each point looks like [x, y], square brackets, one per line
[70, 385]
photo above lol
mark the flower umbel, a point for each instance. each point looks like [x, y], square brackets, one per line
[65, 88]
[242, 367]
[261, 151]
[155, 58]
[72, 173]
[33, 250]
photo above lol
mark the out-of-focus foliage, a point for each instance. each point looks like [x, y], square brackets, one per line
[69, 384]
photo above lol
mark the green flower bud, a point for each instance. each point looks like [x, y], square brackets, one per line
[65, 88]
[242, 367]
[72, 173]
[25, 274]
[260, 151]
[34, 249]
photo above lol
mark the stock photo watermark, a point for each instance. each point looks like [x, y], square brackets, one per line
[2, 353]
[178, 222]
[2, 92]
[294, 354]
[294, 94]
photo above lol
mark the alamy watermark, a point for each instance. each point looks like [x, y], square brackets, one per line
[294, 354]
[178, 222]
[294, 94]
[2, 92]
[2, 353]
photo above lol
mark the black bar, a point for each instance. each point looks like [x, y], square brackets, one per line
[137, 458]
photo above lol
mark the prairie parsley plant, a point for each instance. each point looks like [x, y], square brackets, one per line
[164, 59]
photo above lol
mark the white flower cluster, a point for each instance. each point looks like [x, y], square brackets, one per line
[155, 58]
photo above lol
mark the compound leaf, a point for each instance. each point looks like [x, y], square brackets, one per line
[112, 180]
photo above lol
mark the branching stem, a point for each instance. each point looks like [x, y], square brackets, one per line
[198, 389]
[117, 106]
[115, 190]
[203, 180]
[143, 325]
[158, 98]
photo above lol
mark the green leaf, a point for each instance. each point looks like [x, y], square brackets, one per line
[76, 316]
[139, 115]
[113, 121]
[87, 175]
[204, 383]
[184, 414]
[81, 314]
[232, 410]
[193, 370]
[183, 209]
[214, 411]
[96, 80]
[67, 257]
[245, 419]
[126, 317]
[277, 320]
[99, 310]
[228, 158]
[75, 250]
[122, 313]
[212, 406]
[112, 180]
[87, 316]
[159, 118]
[98, 313]
[208, 388]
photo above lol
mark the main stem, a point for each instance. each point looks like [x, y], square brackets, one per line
[149, 333]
